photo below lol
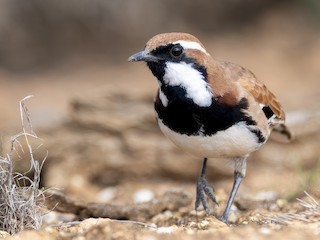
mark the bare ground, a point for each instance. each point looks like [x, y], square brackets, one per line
[101, 157]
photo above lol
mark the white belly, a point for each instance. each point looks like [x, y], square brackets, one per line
[236, 141]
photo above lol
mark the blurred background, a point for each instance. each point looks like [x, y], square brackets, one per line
[51, 47]
[94, 110]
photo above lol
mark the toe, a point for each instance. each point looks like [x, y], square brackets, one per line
[210, 194]
[204, 190]
[223, 219]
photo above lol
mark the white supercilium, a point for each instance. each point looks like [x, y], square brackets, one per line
[185, 75]
[191, 45]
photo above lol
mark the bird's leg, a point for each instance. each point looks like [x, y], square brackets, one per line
[239, 174]
[204, 190]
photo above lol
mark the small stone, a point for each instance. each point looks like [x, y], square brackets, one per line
[143, 195]
[4, 234]
[281, 202]
[259, 200]
[200, 214]
[106, 194]
[166, 230]
[153, 225]
[268, 196]
[192, 224]
[167, 213]
[265, 231]
[53, 217]
[50, 218]
[204, 225]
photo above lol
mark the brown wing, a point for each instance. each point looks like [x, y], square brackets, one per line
[256, 88]
[262, 95]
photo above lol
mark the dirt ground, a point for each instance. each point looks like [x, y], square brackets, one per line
[119, 178]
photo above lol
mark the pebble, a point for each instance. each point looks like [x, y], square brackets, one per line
[266, 196]
[167, 213]
[265, 231]
[192, 224]
[56, 217]
[200, 214]
[106, 194]
[143, 195]
[4, 234]
[166, 230]
[50, 218]
[281, 202]
[203, 225]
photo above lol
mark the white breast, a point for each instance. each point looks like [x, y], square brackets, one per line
[185, 75]
[233, 142]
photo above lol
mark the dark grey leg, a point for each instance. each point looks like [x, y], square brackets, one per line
[204, 190]
[237, 181]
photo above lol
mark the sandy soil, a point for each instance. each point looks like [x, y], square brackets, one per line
[266, 206]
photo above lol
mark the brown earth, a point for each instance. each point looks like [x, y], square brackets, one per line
[104, 148]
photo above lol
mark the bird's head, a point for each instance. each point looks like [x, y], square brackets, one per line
[180, 53]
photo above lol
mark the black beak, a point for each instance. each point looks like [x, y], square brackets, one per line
[144, 56]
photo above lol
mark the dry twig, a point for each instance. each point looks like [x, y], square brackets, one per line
[21, 200]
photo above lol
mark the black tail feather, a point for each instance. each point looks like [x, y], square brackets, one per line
[284, 131]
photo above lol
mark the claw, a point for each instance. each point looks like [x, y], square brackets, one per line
[223, 219]
[204, 190]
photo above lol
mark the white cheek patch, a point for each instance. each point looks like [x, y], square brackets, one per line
[184, 75]
[163, 98]
[191, 45]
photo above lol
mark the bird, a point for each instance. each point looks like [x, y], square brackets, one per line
[210, 108]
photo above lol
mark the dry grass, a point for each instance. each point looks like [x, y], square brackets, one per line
[309, 215]
[21, 200]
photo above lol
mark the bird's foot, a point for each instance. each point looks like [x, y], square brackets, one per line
[224, 218]
[204, 190]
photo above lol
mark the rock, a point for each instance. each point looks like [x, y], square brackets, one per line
[143, 195]
[170, 201]
[259, 200]
[4, 234]
[106, 194]
[166, 230]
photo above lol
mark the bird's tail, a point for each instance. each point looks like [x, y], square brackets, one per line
[282, 133]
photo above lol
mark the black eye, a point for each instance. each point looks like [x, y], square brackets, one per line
[176, 51]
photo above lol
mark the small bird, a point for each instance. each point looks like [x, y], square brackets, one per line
[210, 108]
